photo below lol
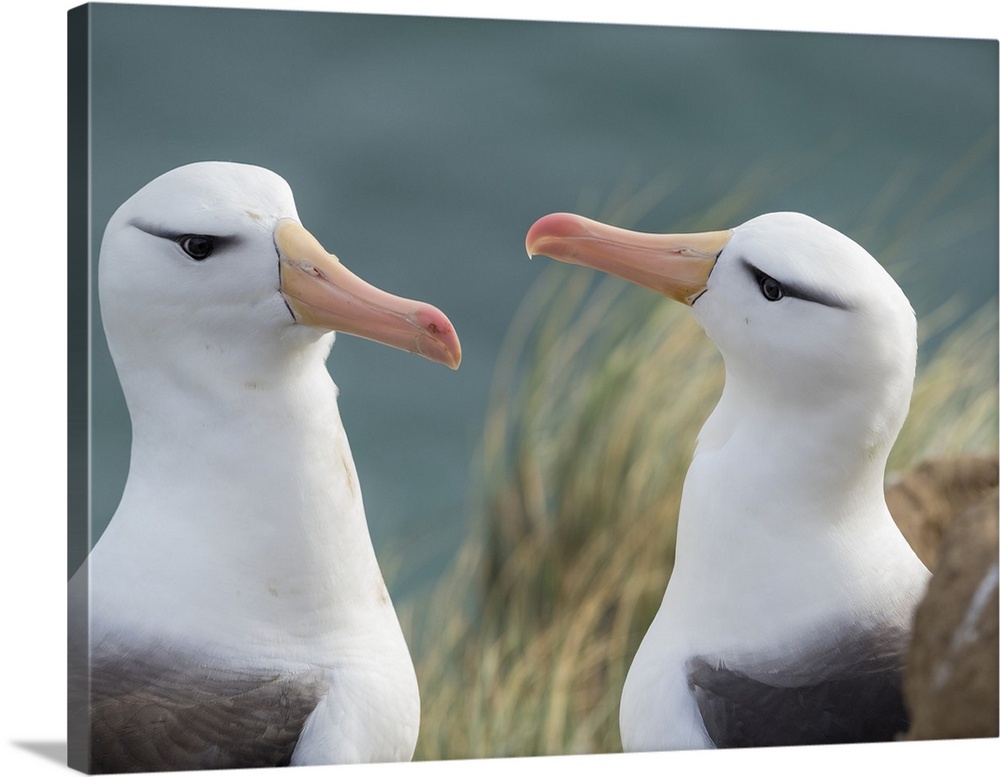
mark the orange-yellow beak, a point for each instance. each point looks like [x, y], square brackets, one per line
[675, 265]
[322, 292]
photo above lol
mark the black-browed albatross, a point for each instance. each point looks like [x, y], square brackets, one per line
[233, 613]
[786, 616]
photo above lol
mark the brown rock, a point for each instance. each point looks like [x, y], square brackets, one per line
[951, 677]
[924, 502]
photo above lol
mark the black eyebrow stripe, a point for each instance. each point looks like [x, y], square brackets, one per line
[798, 291]
[149, 229]
[170, 234]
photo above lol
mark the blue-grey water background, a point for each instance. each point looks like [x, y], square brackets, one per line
[420, 150]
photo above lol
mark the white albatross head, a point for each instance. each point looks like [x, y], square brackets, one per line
[805, 318]
[208, 264]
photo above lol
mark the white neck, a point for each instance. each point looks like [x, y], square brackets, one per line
[768, 488]
[246, 485]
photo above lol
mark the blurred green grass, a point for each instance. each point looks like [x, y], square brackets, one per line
[599, 392]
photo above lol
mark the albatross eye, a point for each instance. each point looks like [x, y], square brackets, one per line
[198, 247]
[770, 288]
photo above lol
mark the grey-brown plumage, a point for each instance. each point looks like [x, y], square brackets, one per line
[141, 705]
[842, 692]
[161, 709]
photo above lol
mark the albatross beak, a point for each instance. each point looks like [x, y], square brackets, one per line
[321, 292]
[675, 265]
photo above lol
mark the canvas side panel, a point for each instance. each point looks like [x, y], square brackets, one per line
[78, 410]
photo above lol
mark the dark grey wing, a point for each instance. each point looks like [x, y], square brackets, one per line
[846, 691]
[154, 711]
